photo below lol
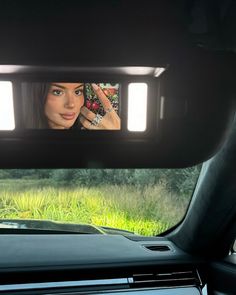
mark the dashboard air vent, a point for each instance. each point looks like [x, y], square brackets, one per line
[160, 248]
[166, 279]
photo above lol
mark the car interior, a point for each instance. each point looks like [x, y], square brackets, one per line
[182, 53]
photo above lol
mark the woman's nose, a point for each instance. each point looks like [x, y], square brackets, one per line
[70, 101]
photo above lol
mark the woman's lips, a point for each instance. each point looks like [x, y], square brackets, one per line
[68, 116]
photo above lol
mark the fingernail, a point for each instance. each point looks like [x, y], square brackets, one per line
[95, 86]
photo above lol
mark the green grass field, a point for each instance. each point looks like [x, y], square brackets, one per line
[147, 212]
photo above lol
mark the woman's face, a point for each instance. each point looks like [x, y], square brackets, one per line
[63, 104]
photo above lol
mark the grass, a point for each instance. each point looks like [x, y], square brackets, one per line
[148, 211]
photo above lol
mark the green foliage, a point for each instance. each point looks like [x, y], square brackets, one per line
[145, 201]
[22, 184]
[25, 173]
[147, 211]
[63, 177]
[179, 181]
[4, 174]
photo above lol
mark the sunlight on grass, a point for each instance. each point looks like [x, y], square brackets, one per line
[148, 211]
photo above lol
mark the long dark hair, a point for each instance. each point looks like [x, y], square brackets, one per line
[33, 101]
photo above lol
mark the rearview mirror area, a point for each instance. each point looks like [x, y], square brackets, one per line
[70, 106]
[116, 117]
[49, 99]
[74, 106]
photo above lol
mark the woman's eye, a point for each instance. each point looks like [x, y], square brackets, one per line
[78, 92]
[57, 92]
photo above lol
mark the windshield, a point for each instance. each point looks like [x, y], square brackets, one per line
[141, 201]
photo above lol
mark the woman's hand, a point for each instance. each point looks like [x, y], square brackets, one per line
[111, 121]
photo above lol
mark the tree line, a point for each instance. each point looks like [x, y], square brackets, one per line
[177, 180]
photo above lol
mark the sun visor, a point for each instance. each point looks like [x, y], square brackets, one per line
[169, 115]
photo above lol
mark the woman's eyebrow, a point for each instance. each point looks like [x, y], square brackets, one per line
[63, 87]
[57, 85]
[81, 85]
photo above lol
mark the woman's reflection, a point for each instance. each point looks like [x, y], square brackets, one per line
[62, 106]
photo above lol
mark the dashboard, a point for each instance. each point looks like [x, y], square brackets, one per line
[96, 264]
